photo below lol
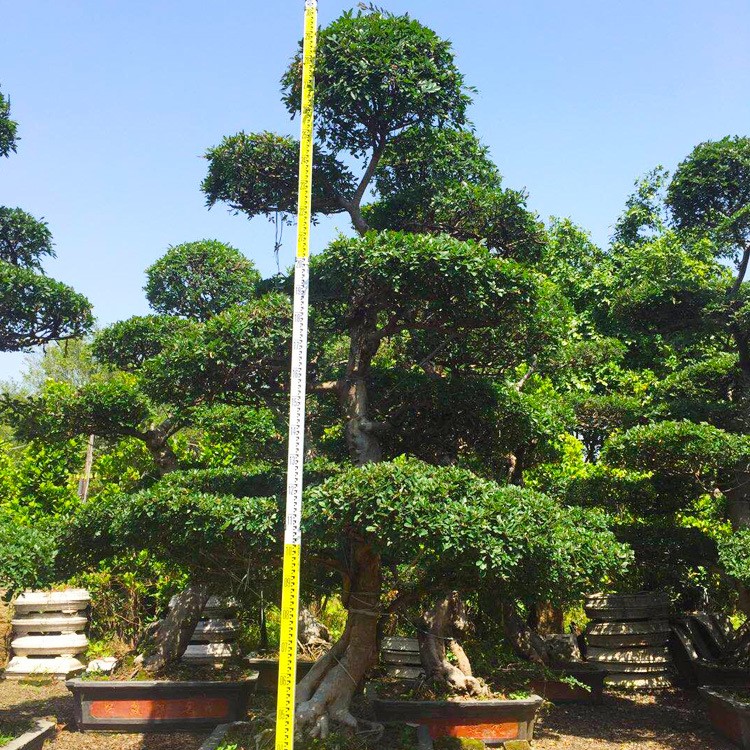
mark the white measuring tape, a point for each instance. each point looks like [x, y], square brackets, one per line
[292, 531]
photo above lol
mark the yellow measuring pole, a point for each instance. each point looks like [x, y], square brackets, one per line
[292, 532]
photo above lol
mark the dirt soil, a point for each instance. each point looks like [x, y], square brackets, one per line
[41, 699]
[664, 720]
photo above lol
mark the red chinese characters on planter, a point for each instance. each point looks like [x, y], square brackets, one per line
[507, 730]
[161, 709]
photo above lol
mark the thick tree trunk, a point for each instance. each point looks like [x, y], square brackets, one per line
[325, 693]
[160, 450]
[546, 619]
[524, 641]
[362, 434]
[176, 629]
[440, 626]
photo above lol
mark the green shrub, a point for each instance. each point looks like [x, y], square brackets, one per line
[27, 554]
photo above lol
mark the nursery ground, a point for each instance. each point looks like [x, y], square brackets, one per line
[665, 720]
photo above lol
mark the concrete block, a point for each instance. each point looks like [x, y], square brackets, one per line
[59, 667]
[67, 644]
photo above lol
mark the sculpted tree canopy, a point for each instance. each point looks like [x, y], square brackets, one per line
[200, 279]
[376, 76]
[256, 173]
[409, 530]
[34, 309]
[442, 180]
[710, 191]
[208, 292]
[24, 239]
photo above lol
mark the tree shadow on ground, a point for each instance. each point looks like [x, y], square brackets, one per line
[35, 699]
[665, 720]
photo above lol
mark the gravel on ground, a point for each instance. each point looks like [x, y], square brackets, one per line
[50, 698]
[663, 720]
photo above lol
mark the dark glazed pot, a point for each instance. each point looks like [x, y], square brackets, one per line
[561, 692]
[141, 706]
[729, 717]
[268, 672]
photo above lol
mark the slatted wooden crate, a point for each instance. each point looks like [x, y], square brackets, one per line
[400, 657]
[213, 640]
[628, 638]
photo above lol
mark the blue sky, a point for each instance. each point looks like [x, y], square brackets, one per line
[117, 101]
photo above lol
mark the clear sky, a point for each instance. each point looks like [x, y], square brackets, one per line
[118, 100]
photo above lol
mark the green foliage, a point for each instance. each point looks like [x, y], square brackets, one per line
[421, 281]
[734, 555]
[128, 591]
[23, 239]
[458, 743]
[38, 479]
[670, 558]
[107, 406]
[8, 128]
[471, 419]
[240, 355]
[27, 553]
[207, 533]
[704, 391]
[465, 529]
[68, 362]
[678, 450]
[198, 280]
[257, 173]
[127, 344]
[684, 460]
[375, 75]
[35, 309]
[225, 435]
[576, 265]
[442, 180]
[666, 284]
[710, 191]
[643, 218]
[421, 162]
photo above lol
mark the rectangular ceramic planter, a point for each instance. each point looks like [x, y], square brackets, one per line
[728, 716]
[141, 706]
[268, 672]
[492, 721]
[561, 692]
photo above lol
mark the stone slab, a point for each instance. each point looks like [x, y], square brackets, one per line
[216, 630]
[33, 739]
[49, 645]
[394, 643]
[69, 601]
[46, 623]
[105, 665]
[657, 655]
[59, 667]
[208, 653]
[640, 681]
